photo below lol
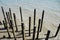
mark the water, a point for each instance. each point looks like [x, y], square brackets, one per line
[50, 4]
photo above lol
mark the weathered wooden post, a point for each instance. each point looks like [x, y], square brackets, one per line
[21, 14]
[48, 33]
[4, 16]
[57, 30]
[3, 12]
[34, 32]
[15, 22]
[12, 29]
[23, 33]
[29, 26]
[42, 20]
[10, 13]
[7, 16]
[34, 16]
[38, 28]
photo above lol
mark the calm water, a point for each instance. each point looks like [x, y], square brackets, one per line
[50, 4]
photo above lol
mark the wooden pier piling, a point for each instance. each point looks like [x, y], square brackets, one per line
[21, 14]
[15, 22]
[34, 32]
[29, 26]
[34, 16]
[10, 13]
[42, 20]
[23, 32]
[38, 29]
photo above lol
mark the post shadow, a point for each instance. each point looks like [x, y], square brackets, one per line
[57, 30]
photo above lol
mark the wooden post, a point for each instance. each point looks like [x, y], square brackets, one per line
[34, 31]
[10, 13]
[34, 15]
[48, 33]
[12, 29]
[29, 26]
[15, 22]
[42, 20]
[21, 14]
[3, 11]
[38, 28]
[57, 30]
[4, 15]
[7, 16]
[23, 33]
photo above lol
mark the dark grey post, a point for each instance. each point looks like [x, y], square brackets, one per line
[15, 22]
[10, 13]
[34, 31]
[21, 14]
[4, 15]
[29, 25]
[34, 15]
[3, 11]
[12, 29]
[23, 33]
[48, 33]
[38, 28]
[42, 20]
[7, 16]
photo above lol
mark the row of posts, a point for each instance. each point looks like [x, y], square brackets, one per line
[8, 21]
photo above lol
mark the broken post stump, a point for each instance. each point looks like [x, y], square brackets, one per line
[47, 36]
[23, 32]
[4, 24]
